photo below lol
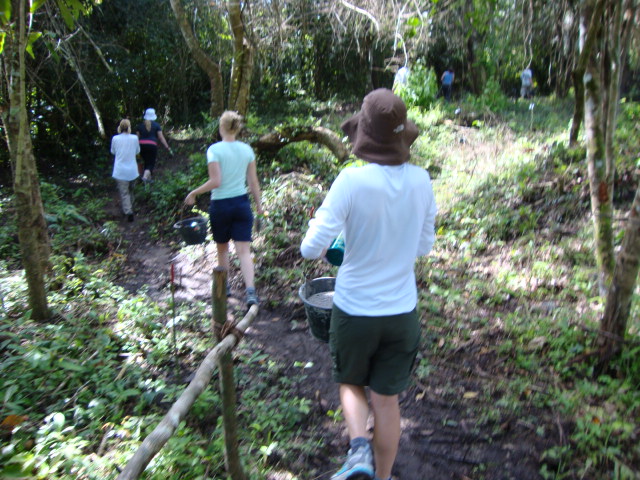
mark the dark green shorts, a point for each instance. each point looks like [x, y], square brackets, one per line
[378, 352]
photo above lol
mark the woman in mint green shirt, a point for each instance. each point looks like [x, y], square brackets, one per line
[232, 175]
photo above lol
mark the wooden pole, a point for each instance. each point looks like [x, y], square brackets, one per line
[167, 427]
[227, 380]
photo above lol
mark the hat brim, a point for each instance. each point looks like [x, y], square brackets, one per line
[371, 149]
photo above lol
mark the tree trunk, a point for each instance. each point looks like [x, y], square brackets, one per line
[601, 173]
[600, 177]
[613, 325]
[32, 227]
[202, 59]
[242, 68]
[618, 306]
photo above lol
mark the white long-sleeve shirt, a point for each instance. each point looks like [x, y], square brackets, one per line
[125, 147]
[387, 214]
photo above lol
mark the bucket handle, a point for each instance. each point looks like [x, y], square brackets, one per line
[185, 210]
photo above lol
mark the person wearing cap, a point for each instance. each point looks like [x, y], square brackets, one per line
[150, 132]
[386, 211]
[232, 171]
[125, 147]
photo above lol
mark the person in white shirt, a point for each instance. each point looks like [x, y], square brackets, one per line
[526, 79]
[386, 211]
[125, 147]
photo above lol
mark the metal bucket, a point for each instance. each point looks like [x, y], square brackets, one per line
[193, 230]
[318, 309]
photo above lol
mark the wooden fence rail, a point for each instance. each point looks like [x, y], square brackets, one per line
[166, 428]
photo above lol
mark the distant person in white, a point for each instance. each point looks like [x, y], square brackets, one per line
[526, 79]
[125, 147]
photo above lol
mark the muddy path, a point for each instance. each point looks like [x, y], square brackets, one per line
[453, 426]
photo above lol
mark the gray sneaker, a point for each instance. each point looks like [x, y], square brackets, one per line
[359, 465]
[251, 297]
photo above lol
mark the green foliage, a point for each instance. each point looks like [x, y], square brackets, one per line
[501, 288]
[166, 199]
[421, 88]
[492, 99]
[85, 385]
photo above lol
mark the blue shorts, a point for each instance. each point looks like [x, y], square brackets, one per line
[231, 219]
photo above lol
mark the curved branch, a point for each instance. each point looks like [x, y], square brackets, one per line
[363, 12]
[272, 142]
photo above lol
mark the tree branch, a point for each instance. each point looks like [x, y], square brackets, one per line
[323, 136]
[166, 428]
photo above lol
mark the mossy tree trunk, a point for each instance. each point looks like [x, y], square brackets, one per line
[210, 67]
[32, 227]
[602, 58]
[614, 321]
[243, 57]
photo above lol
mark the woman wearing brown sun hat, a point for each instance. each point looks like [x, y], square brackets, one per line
[386, 211]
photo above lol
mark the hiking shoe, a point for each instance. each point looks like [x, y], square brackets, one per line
[251, 297]
[359, 465]
[130, 217]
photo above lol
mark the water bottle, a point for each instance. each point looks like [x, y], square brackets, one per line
[335, 253]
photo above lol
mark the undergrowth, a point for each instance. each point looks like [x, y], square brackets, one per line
[511, 279]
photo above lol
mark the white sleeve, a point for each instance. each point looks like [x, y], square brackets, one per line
[329, 220]
[428, 234]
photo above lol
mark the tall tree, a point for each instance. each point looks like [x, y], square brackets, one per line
[604, 44]
[622, 18]
[32, 228]
[603, 58]
[243, 55]
[613, 326]
[242, 67]
[208, 65]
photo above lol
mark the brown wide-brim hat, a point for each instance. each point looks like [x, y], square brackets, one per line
[381, 132]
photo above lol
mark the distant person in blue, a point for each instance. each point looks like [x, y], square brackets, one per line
[447, 82]
[232, 173]
[149, 133]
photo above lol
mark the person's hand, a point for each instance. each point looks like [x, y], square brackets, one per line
[170, 151]
[190, 199]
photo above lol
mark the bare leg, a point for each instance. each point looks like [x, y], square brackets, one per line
[223, 256]
[355, 408]
[386, 432]
[243, 250]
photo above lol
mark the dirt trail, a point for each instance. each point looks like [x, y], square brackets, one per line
[444, 434]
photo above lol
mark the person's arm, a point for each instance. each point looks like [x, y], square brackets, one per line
[329, 220]
[428, 234]
[215, 179]
[254, 186]
[163, 141]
